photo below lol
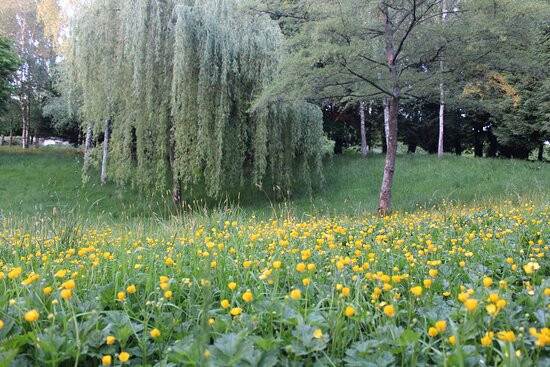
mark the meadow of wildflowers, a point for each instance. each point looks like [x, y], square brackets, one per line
[467, 286]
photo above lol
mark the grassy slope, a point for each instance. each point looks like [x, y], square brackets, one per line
[36, 181]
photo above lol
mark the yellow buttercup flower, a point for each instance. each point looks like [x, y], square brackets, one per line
[417, 291]
[506, 336]
[295, 294]
[389, 310]
[232, 285]
[31, 316]
[247, 296]
[471, 304]
[106, 360]
[350, 311]
[318, 334]
[66, 294]
[155, 333]
[236, 311]
[124, 357]
[441, 325]
[110, 340]
[131, 289]
[432, 332]
[487, 339]
[224, 303]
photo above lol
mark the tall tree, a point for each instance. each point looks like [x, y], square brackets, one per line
[176, 82]
[363, 49]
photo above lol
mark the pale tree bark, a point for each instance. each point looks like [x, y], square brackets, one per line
[441, 90]
[386, 105]
[11, 137]
[364, 148]
[25, 126]
[105, 151]
[1, 139]
[87, 146]
[384, 204]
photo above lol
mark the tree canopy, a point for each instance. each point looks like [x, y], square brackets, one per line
[177, 80]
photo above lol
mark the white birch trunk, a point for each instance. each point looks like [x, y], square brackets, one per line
[364, 148]
[105, 151]
[441, 91]
[386, 105]
[87, 146]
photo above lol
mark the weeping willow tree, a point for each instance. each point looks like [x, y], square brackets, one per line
[177, 80]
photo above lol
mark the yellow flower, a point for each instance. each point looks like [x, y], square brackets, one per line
[547, 291]
[213, 264]
[295, 294]
[543, 338]
[487, 281]
[471, 304]
[433, 273]
[211, 321]
[276, 264]
[417, 291]
[247, 296]
[164, 279]
[310, 267]
[106, 360]
[69, 284]
[164, 286]
[318, 334]
[169, 261]
[1, 324]
[224, 303]
[168, 294]
[531, 267]
[31, 316]
[60, 274]
[110, 340]
[432, 332]
[247, 264]
[501, 304]
[301, 267]
[487, 339]
[120, 296]
[441, 325]
[507, 336]
[492, 310]
[236, 311]
[350, 311]
[462, 264]
[502, 284]
[427, 283]
[305, 282]
[66, 294]
[345, 291]
[452, 340]
[493, 297]
[232, 285]
[47, 290]
[131, 289]
[389, 310]
[155, 333]
[124, 357]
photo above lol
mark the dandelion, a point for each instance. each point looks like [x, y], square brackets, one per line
[301, 267]
[131, 289]
[487, 281]
[106, 360]
[432, 332]
[276, 264]
[224, 303]
[155, 333]
[232, 286]
[120, 296]
[452, 340]
[168, 294]
[47, 290]
[109, 340]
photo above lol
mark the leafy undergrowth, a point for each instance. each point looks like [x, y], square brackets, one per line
[465, 286]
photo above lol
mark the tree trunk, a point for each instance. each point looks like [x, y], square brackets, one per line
[441, 91]
[36, 141]
[25, 123]
[87, 146]
[11, 136]
[1, 139]
[540, 156]
[105, 151]
[384, 204]
[364, 149]
[386, 105]
[389, 166]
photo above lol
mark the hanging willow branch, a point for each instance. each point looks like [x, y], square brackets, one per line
[177, 79]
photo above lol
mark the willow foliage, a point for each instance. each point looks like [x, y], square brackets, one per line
[177, 79]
